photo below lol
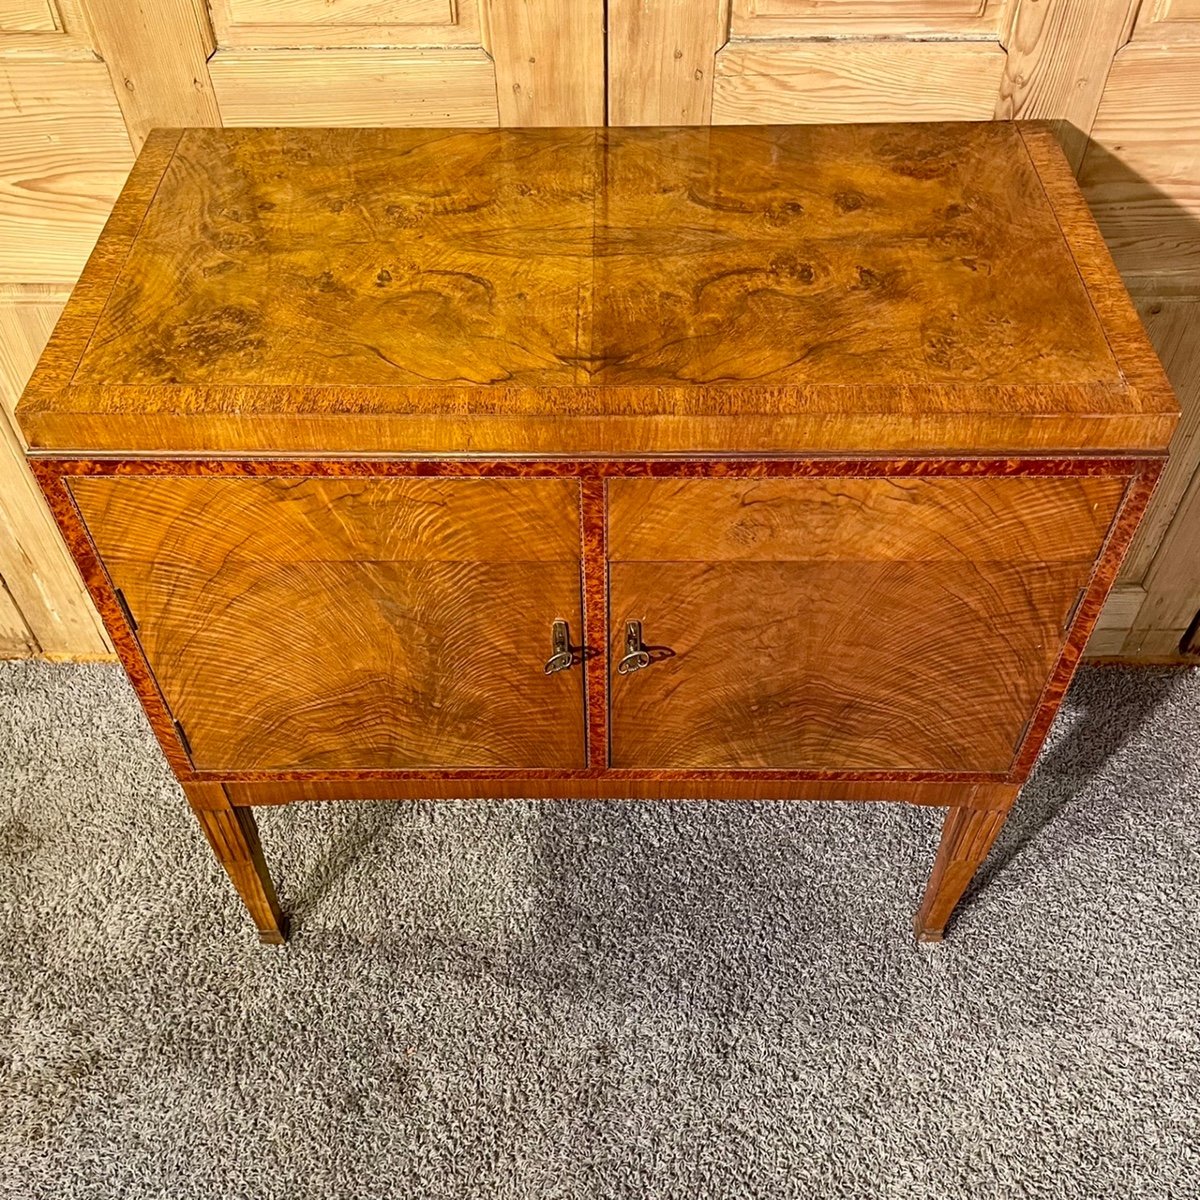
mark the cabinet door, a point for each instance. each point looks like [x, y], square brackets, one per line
[843, 624]
[327, 624]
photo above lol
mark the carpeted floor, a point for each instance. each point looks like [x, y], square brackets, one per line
[598, 1000]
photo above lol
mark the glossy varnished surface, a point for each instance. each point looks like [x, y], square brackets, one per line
[1068, 514]
[856, 421]
[991, 548]
[860, 519]
[324, 624]
[835, 665]
[852, 288]
[206, 520]
[772, 256]
[877, 624]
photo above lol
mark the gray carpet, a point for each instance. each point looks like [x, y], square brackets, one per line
[598, 1000]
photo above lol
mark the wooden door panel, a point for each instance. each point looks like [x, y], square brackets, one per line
[291, 23]
[923, 519]
[283, 519]
[863, 18]
[1166, 21]
[352, 624]
[28, 16]
[888, 666]
[362, 666]
[843, 623]
[764, 83]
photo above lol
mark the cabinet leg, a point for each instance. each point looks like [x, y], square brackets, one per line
[233, 836]
[967, 836]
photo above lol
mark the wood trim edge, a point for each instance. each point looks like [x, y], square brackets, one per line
[103, 593]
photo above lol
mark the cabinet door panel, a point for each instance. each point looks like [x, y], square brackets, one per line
[1014, 519]
[834, 666]
[352, 625]
[843, 624]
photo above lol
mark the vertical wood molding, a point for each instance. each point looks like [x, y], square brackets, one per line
[549, 57]
[157, 54]
[1172, 594]
[1059, 56]
[16, 640]
[39, 577]
[662, 60]
[1173, 324]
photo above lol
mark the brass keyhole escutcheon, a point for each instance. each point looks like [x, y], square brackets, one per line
[561, 655]
[637, 657]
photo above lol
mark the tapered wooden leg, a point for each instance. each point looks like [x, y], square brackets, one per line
[233, 835]
[967, 836]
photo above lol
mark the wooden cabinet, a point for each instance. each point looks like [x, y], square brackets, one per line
[786, 463]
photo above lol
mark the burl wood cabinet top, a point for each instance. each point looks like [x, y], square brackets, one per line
[799, 289]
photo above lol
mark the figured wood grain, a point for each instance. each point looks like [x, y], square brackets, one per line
[593, 530]
[624, 786]
[374, 665]
[115, 618]
[845, 288]
[1123, 330]
[959, 787]
[872, 665]
[376, 623]
[860, 519]
[52, 470]
[1085, 614]
[657, 467]
[565, 422]
[206, 522]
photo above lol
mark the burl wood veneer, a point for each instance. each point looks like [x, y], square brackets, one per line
[741, 462]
